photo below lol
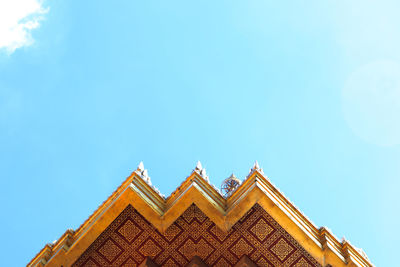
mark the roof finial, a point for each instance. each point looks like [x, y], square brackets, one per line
[143, 173]
[198, 166]
[230, 184]
[140, 166]
[256, 166]
[201, 171]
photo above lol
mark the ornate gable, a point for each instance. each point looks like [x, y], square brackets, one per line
[255, 224]
[130, 237]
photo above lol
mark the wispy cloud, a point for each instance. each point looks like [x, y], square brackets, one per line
[17, 19]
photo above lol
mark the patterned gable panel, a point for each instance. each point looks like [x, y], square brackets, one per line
[130, 238]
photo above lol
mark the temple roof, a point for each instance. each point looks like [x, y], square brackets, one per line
[224, 211]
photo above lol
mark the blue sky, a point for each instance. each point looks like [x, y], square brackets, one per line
[311, 90]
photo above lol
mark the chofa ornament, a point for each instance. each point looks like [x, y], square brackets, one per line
[230, 184]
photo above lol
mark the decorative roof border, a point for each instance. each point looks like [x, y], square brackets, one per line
[252, 190]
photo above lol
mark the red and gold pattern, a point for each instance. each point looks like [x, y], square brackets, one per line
[130, 238]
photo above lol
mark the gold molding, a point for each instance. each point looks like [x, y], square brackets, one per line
[224, 212]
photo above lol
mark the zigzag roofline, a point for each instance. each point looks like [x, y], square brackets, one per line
[256, 188]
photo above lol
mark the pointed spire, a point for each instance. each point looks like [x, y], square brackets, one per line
[200, 170]
[140, 166]
[256, 166]
[143, 173]
[199, 167]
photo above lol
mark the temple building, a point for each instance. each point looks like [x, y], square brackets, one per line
[247, 223]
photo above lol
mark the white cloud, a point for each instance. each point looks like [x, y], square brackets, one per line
[17, 19]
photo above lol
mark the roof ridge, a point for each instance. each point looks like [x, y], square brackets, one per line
[256, 177]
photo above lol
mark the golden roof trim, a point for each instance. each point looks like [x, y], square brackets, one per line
[162, 212]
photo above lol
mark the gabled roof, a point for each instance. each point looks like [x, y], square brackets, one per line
[223, 211]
